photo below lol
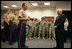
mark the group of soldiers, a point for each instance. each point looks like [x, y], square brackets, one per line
[34, 28]
[40, 29]
[10, 24]
[19, 27]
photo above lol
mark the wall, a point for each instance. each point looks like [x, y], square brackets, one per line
[64, 5]
[41, 12]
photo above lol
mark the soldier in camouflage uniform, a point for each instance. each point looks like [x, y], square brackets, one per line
[50, 30]
[53, 31]
[28, 29]
[41, 29]
[34, 28]
[46, 28]
[37, 27]
[30, 33]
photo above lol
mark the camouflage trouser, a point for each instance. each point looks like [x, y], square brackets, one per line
[30, 33]
[37, 32]
[49, 33]
[32, 29]
[34, 33]
[53, 33]
[27, 32]
[46, 32]
[41, 31]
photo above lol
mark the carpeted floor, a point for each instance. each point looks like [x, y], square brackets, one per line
[35, 43]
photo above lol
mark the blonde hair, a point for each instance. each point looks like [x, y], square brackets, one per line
[66, 20]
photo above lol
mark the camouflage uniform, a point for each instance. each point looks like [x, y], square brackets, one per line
[42, 29]
[53, 31]
[28, 29]
[50, 30]
[34, 28]
[46, 28]
[37, 28]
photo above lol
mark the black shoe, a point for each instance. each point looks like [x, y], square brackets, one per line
[55, 47]
[10, 44]
[65, 41]
[3, 41]
[25, 46]
[13, 42]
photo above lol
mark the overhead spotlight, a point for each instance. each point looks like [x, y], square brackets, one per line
[6, 6]
[48, 3]
[13, 5]
[34, 4]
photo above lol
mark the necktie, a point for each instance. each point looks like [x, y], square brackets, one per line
[57, 17]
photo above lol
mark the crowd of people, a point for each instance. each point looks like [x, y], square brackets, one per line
[20, 27]
[40, 29]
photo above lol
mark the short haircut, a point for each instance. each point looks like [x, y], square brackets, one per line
[59, 10]
[23, 4]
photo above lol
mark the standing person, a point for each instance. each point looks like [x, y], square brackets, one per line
[13, 21]
[46, 28]
[5, 33]
[2, 27]
[35, 28]
[32, 28]
[16, 22]
[22, 27]
[41, 29]
[50, 28]
[59, 29]
[53, 31]
[16, 17]
[28, 29]
[66, 29]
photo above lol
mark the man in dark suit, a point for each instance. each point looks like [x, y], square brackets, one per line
[59, 29]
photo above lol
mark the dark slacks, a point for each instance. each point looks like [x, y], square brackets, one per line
[59, 38]
[21, 35]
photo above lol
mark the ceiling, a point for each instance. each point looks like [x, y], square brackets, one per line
[28, 3]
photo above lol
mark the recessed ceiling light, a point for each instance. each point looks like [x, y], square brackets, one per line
[34, 4]
[48, 3]
[13, 5]
[6, 6]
